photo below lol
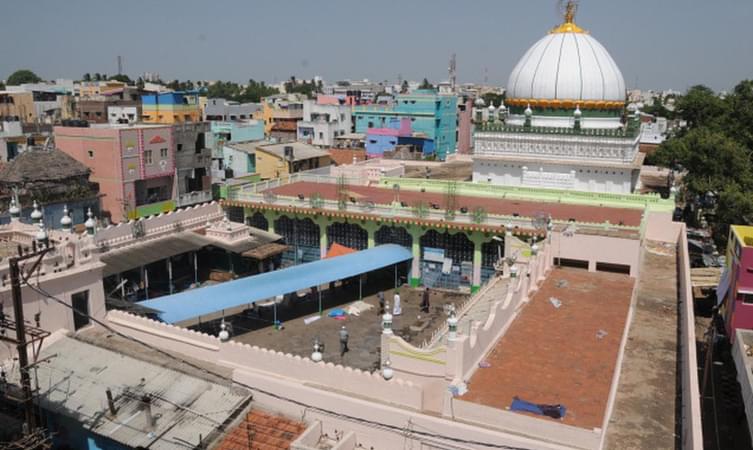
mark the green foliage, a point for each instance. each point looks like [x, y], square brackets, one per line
[426, 85]
[87, 77]
[715, 151]
[307, 88]
[491, 97]
[253, 92]
[404, 87]
[479, 215]
[177, 85]
[21, 77]
[122, 78]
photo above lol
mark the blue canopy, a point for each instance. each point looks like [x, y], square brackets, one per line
[211, 299]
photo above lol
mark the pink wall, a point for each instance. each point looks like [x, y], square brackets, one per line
[105, 162]
[740, 315]
[404, 130]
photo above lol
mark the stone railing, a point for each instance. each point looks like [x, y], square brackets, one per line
[498, 127]
[247, 358]
[122, 234]
[192, 198]
[692, 430]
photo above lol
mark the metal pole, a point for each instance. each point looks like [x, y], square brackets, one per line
[320, 301]
[395, 276]
[146, 283]
[170, 274]
[360, 287]
[196, 267]
[23, 357]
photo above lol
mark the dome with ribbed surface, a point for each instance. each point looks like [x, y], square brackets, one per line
[567, 67]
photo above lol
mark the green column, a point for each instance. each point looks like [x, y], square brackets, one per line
[476, 282]
[270, 220]
[323, 244]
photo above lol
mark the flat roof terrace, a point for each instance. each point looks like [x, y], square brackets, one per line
[560, 355]
[558, 211]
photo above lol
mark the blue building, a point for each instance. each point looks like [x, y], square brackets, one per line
[432, 116]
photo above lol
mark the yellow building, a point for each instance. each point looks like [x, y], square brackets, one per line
[95, 88]
[278, 160]
[282, 113]
[171, 107]
[18, 104]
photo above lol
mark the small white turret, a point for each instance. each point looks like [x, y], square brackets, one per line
[528, 112]
[41, 235]
[387, 371]
[36, 215]
[66, 222]
[14, 210]
[90, 223]
[224, 334]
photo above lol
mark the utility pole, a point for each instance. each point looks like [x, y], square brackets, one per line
[37, 334]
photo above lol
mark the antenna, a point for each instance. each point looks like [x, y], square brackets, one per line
[120, 65]
[452, 70]
[486, 75]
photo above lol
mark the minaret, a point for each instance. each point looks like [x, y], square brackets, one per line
[36, 215]
[66, 222]
[90, 223]
[15, 211]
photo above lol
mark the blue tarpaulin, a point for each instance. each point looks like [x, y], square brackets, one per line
[202, 301]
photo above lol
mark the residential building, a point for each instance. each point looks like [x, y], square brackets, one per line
[277, 160]
[239, 158]
[118, 105]
[323, 121]
[465, 125]
[219, 109]
[281, 114]
[735, 291]
[432, 116]
[95, 88]
[362, 92]
[171, 107]
[563, 124]
[51, 179]
[18, 105]
[224, 133]
[142, 169]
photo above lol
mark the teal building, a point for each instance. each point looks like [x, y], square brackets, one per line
[431, 115]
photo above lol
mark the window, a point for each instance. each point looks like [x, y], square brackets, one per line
[80, 304]
[148, 157]
[745, 298]
[163, 153]
[321, 135]
[180, 147]
[91, 154]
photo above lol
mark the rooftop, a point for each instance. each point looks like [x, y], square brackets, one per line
[644, 414]
[73, 383]
[246, 146]
[744, 234]
[385, 196]
[41, 164]
[560, 355]
[301, 151]
[259, 430]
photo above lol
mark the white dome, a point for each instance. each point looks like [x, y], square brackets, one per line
[567, 66]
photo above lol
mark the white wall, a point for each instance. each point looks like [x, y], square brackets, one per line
[552, 175]
[116, 113]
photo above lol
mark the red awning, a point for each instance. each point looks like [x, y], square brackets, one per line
[338, 250]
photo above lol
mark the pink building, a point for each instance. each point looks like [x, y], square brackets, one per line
[134, 166]
[735, 290]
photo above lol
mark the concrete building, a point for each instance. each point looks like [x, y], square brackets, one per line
[431, 115]
[117, 105]
[224, 133]
[18, 105]
[219, 109]
[239, 158]
[735, 291]
[171, 107]
[278, 160]
[322, 122]
[142, 169]
[281, 114]
[360, 91]
[561, 126]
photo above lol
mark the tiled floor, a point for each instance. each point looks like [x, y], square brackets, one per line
[555, 355]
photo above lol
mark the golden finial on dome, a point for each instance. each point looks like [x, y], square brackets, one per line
[569, 25]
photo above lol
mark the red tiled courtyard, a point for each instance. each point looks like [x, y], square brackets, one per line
[558, 211]
[560, 355]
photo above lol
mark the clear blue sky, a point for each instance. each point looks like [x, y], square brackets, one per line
[657, 43]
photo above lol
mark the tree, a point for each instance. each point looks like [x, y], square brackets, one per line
[701, 107]
[491, 97]
[97, 77]
[122, 78]
[426, 85]
[21, 77]
[404, 88]
[140, 83]
[87, 77]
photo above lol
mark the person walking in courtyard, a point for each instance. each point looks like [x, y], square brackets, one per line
[397, 309]
[380, 298]
[343, 341]
[425, 301]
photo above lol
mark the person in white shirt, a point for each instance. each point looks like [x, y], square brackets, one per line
[396, 308]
